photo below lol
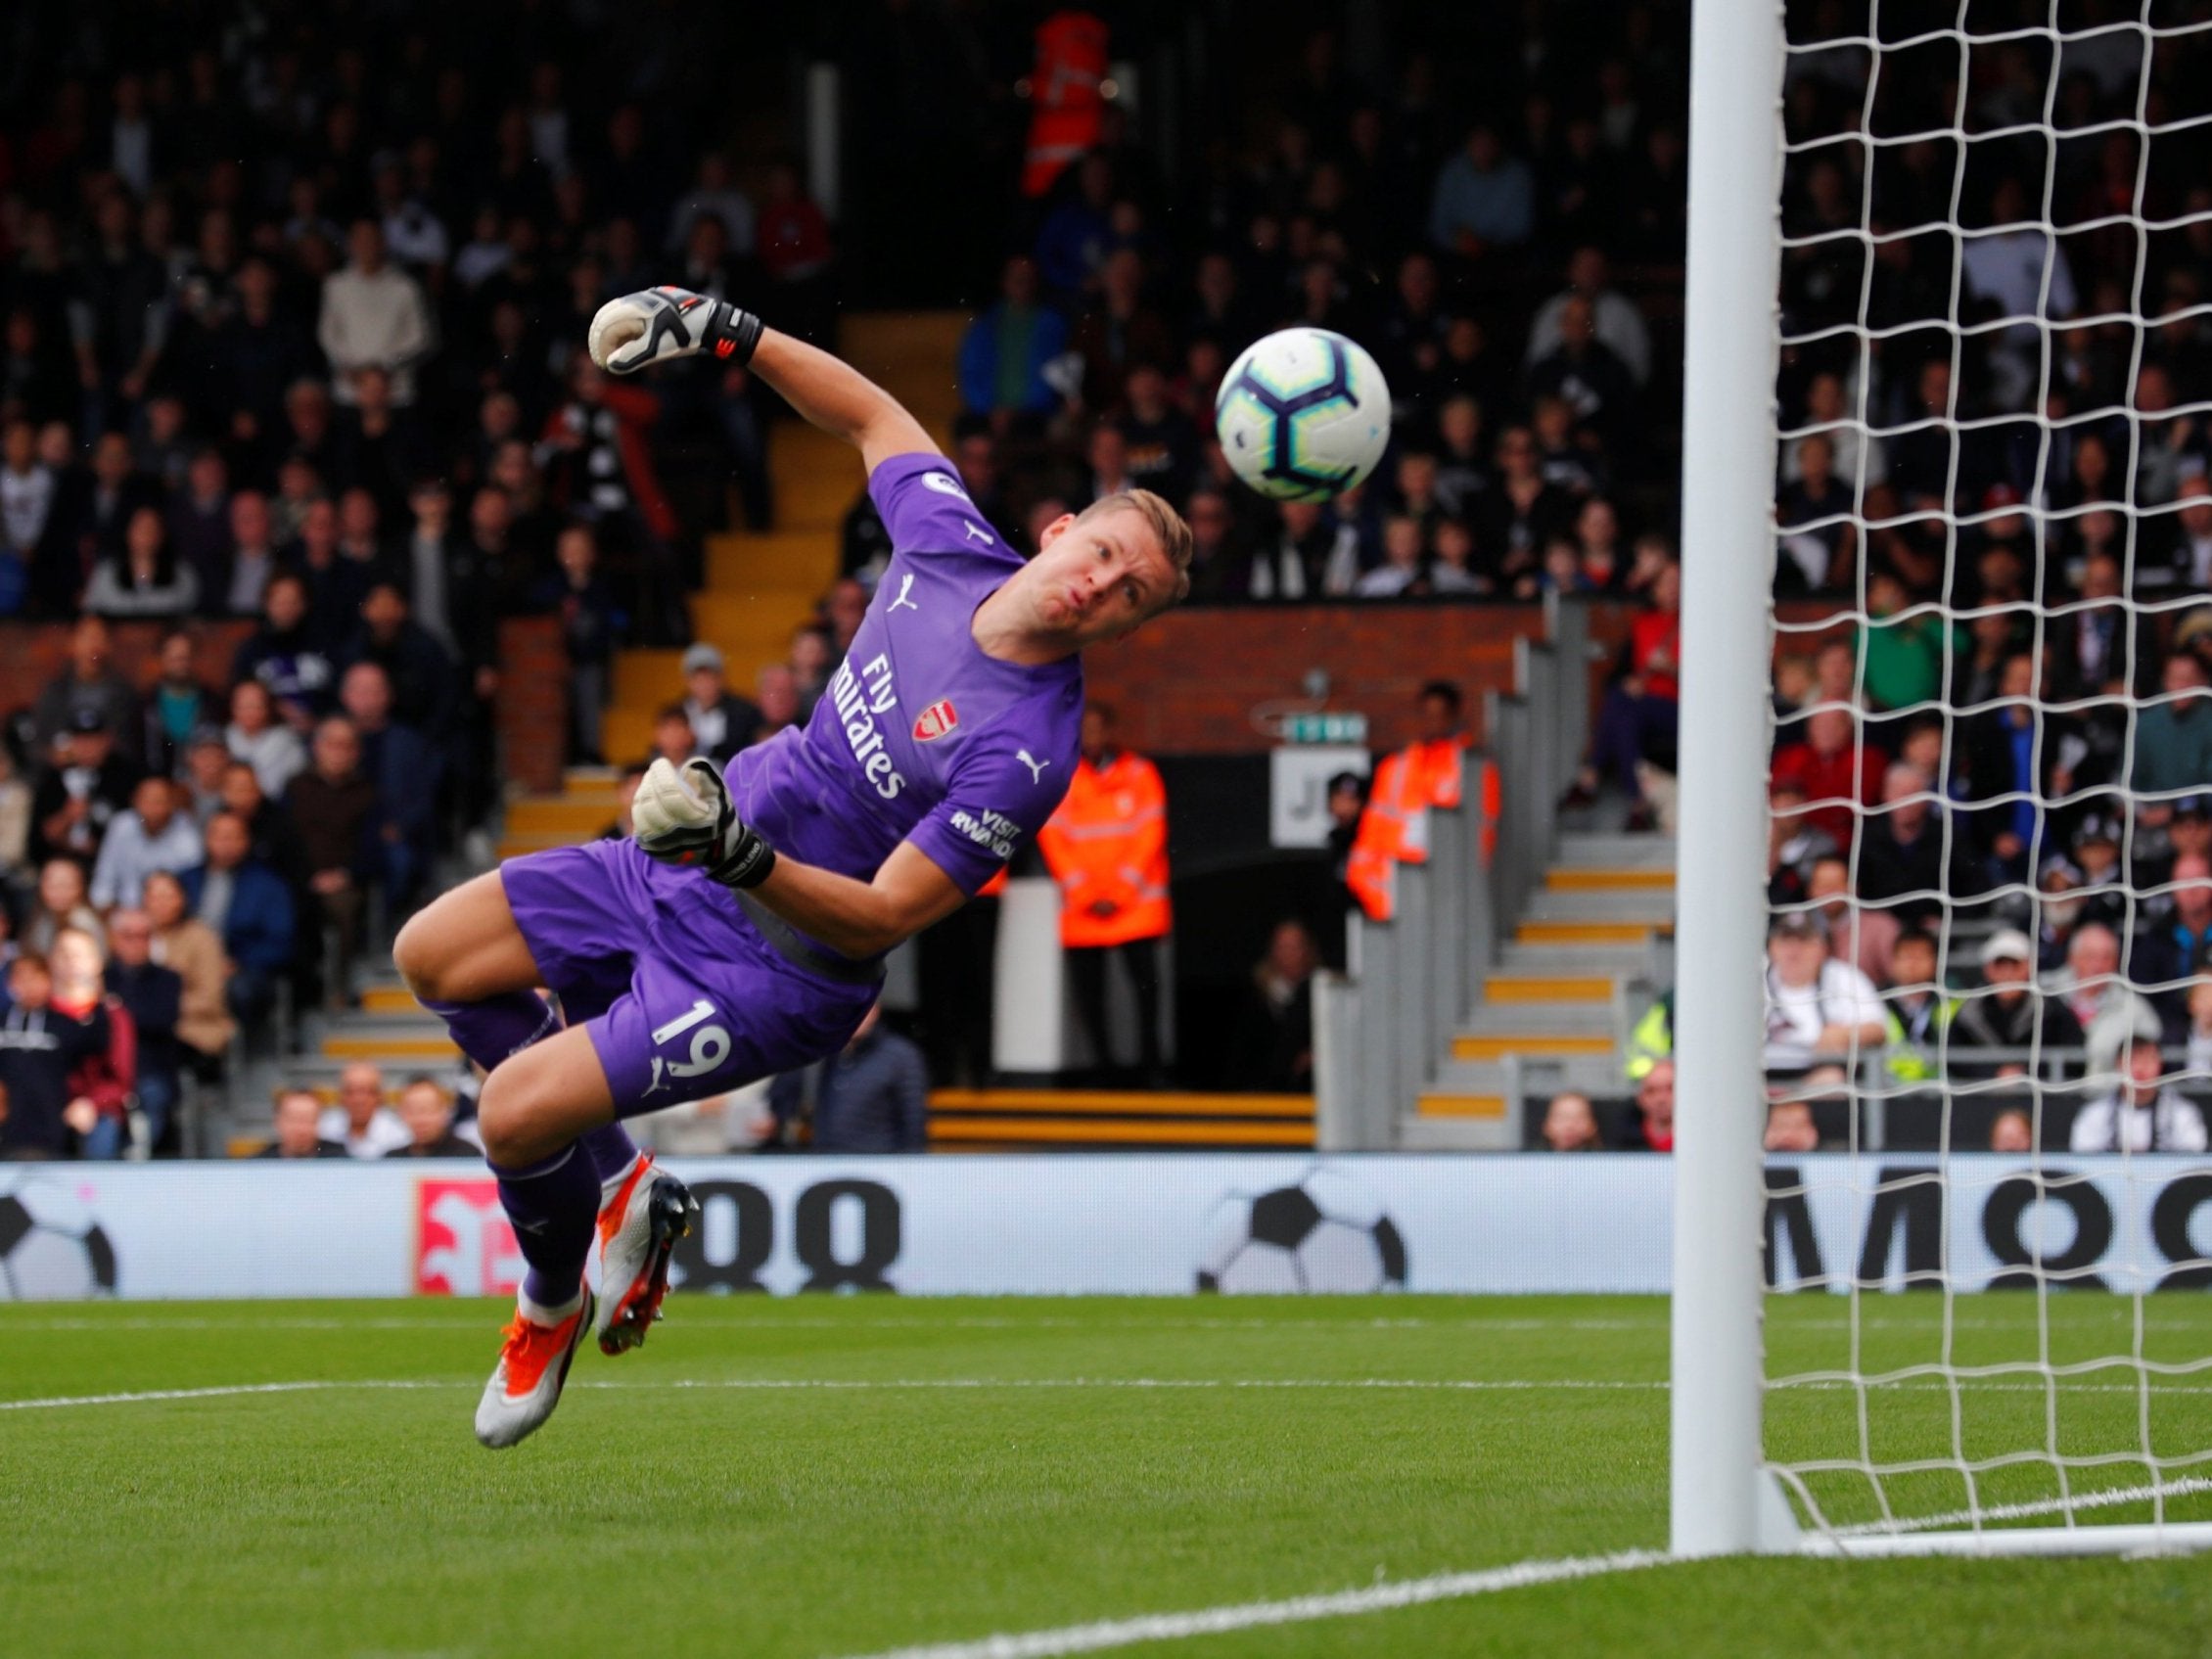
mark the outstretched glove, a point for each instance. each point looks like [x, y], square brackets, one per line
[659, 325]
[684, 815]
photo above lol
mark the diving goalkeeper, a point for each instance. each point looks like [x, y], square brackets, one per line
[742, 932]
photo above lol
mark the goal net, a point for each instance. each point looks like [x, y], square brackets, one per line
[1944, 686]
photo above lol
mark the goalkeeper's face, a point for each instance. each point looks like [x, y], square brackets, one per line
[1099, 575]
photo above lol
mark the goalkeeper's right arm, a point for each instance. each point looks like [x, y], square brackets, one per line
[662, 324]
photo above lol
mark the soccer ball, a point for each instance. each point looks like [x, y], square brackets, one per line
[1303, 414]
[50, 1248]
[1326, 1234]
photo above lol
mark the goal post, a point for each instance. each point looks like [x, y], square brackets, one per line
[1913, 1436]
[1730, 357]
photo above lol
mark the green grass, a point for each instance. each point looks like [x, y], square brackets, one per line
[820, 1521]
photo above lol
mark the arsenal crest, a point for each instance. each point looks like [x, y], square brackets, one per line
[937, 720]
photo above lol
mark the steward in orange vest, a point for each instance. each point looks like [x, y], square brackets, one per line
[1394, 830]
[1067, 96]
[1107, 847]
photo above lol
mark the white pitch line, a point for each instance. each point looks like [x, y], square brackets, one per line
[142, 1396]
[1447, 1385]
[1299, 1609]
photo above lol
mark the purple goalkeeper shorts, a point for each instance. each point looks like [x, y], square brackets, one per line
[686, 989]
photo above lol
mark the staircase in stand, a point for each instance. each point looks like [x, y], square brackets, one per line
[1592, 946]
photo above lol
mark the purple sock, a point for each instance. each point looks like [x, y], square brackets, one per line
[489, 1031]
[611, 1148]
[554, 1207]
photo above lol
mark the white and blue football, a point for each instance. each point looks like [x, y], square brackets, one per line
[1303, 414]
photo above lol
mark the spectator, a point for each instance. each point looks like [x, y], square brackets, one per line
[80, 793]
[2102, 1002]
[1314, 556]
[1004, 352]
[674, 739]
[1106, 845]
[144, 581]
[1272, 1049]
[286, 655]
[153, 996]
[1618, 325]
[1582, 372]
[1400, 575]
[14, 816]
[871, 1097]
[2196, 1032]
[151, 835]
[335, 806]
[1654, 1127]
[2014, 1013]
[721, 721]
[358, 1120]
[1570, 1125]
[254, 737]
[2143, 1114]
[189, 947]
[373, 317]
[2173, 740]
[427, 1108]
[40, 1046]
[252, 563]
[1836, 771]
[299, 1129]
[1905, 852]
[59, 902]
[1119, 332]
[90, 686]
[416, 667]
[404, 769]
[1818, 1008]
[1915, 1013]
[778, 689]
[1484, 199]
[247, 907]
[1637, 721]
[100, 1082]
[178, 706]
[1790, 1129]
[2010, 1131]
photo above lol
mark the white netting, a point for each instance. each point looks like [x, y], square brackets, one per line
[1994, 421]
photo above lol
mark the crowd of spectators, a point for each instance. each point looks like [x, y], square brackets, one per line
[1491, 255]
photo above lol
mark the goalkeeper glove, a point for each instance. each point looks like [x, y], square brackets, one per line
[685, 816]
[659, 325]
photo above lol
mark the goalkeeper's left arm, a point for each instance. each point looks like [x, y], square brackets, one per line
[662, 324]
[684, 815]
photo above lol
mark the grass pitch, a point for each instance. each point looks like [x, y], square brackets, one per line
[829, 1478]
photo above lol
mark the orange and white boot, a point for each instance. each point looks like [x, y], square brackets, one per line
[640, 1220]
[534, 1364]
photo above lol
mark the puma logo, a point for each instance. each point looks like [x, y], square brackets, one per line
[905, 587]
[1035, 767]
[976, 532]
[659, 1082]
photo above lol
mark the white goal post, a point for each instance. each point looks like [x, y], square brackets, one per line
[1731, 1491]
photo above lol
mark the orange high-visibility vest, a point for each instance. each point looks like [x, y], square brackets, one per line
[1065, 101]
[1371, 871]
[1394, 826]
[1107, 847]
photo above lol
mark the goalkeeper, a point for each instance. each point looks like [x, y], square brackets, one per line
[742, 932]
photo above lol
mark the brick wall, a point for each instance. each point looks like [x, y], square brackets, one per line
[1190, 682]
[533, 700]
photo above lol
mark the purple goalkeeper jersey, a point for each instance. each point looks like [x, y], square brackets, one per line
[919, 735]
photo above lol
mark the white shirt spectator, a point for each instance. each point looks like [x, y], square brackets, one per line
[275, 752]
[26, 498]
[2169, 1124]
[1796, 1015]
[387, 1131]
[129, 854]
[373, 319]
[1618, 325]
